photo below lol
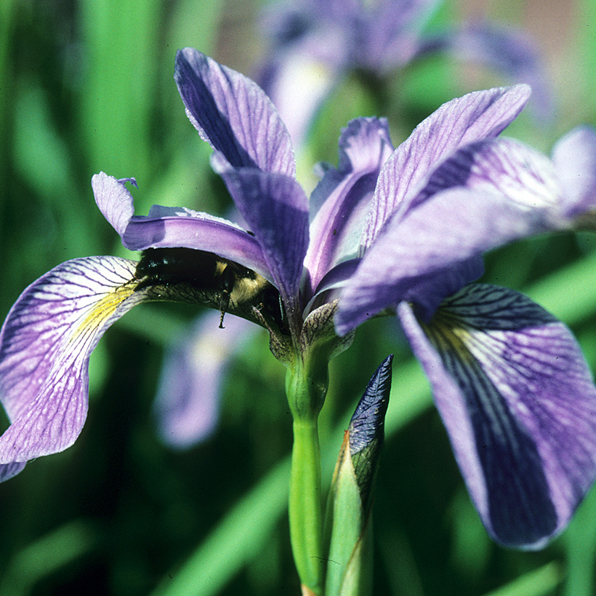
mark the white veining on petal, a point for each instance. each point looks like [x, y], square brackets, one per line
[525, 176]
[45, 345]
[525, 381]
[159, 211]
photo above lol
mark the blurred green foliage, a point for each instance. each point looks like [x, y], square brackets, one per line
[86, 85]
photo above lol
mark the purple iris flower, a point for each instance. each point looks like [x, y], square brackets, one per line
[508, 378]
[316, 43]
[388, 229]
[189, 390]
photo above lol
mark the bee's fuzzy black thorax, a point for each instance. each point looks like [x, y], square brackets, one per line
[217, 282]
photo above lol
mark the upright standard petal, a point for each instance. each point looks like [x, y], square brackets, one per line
[473, 117]
[276, 209]
[45, 346]
[233, 114]
[340, 203]
[485, 195]
[574, 157]
[519, 404]
[114, 200]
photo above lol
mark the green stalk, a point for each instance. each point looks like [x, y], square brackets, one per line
[306, 387]
[305, 506]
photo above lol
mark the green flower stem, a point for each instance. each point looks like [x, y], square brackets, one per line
[306, 386]
[305, 505]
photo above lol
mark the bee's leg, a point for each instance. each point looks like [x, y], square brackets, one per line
[224, 301]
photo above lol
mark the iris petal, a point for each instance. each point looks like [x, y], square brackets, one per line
[233, 114]
[341, 201]
[574, 157]
[114, 200]
[45, 346]
[276, 209]
[167, 227]
[519, 404]
[485, 195]
[189, 393]
[475, 116]
[8, 471]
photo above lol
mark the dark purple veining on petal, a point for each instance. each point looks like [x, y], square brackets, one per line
[519, 404]
[233, 114]
[519, 504]
[45, 346]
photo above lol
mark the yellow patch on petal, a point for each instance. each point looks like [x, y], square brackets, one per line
[447, 334]
[105, 307]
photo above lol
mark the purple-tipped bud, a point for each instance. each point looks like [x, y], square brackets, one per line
[366, 430]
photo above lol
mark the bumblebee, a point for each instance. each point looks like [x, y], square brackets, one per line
[212, 280]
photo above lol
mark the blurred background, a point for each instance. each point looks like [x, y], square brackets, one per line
[86, 86]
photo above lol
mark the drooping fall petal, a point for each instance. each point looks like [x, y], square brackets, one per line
[519, 405]
[45, 346]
